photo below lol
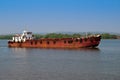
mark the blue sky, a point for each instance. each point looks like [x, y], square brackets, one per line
[59, 16]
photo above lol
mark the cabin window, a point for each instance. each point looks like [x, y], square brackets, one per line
[64, 42]
[48, 42]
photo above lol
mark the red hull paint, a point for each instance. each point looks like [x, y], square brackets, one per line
[58, 43]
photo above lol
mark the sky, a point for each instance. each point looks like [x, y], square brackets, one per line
[49, 16]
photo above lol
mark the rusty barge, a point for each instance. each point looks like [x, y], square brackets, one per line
[27, 40]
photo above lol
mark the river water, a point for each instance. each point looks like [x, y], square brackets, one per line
[102, 63]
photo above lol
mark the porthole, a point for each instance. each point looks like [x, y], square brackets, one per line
[85, 39]
[80, 40]
[48, 42]
[40, 42]
[31, 43]
[64, 42]
[76, 40]
[54, 42]
[35, 42]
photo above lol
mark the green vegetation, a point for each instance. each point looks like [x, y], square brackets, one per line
[57, 35]
[108, 36]
[60, 35]
[6, 36]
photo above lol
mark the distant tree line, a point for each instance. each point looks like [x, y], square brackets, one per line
[6, 36]
[61, 35]
[109, 36]
[57, 35]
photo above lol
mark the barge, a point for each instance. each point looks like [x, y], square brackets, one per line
[27, 40]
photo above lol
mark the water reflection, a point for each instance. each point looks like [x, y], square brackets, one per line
[19, 52]
[91, 49]
[85, 49]
[26, 50]
[73, 49]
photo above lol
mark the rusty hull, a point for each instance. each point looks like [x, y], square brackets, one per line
[58, 43]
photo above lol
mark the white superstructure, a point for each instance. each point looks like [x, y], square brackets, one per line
[23, 37]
